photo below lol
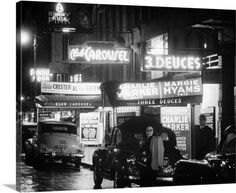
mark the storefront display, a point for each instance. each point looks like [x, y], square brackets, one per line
[90, 128]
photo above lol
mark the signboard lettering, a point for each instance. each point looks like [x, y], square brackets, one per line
[71, 88]
[168, 101]
[181, 88]
[89, 54]
[41, 74]
[160, 90]
[171, 63]
[58, 16]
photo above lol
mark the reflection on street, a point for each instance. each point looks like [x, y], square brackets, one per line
[56, 177]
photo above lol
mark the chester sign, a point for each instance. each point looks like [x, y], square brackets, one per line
[171, 63]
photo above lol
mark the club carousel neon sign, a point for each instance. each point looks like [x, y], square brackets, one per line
[89, 54]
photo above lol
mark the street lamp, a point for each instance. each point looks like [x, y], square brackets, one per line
[25, 39]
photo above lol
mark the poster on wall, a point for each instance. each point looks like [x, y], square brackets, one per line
[210, 118]
[89, 123]
[178, 119]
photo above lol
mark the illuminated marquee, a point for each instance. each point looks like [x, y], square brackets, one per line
[131, 91]
[58, 16]
[71, 88]
[89, 54]
[160, 90]
[41, 75]
[171, 63]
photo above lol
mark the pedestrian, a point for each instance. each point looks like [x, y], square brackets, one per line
[204, 139]
[152, 148]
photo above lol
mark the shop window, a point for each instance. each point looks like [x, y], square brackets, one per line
[71, 78]
[59, 78]
[157, 45]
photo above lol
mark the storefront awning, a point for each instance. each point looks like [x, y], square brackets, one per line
[151, 93]
[65, 101]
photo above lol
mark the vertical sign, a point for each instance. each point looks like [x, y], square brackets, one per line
[89, 127]
[178, 119]
[210, 117]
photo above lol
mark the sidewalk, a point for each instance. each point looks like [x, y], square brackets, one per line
[88, 159]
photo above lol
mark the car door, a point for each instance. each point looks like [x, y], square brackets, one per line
[112, 150]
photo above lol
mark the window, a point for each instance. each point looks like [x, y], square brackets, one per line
[78, 78]
[59, 78]
[158, 46]
[58, 129]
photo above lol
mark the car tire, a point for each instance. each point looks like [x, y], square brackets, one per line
[78, 163]
[119, 181]
[28, 159]
[39, 163]
[97, 178]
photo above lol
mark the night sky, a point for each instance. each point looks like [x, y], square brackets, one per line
[34, 18]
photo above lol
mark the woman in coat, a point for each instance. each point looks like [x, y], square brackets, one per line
[152, 148]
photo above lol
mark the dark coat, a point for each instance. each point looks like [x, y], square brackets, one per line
[204, 141]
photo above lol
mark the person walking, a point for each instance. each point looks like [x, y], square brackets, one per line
[204, 139]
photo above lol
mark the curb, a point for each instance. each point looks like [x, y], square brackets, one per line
[86, 165]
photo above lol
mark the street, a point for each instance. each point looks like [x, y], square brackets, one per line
[144, 94]
[57, 177]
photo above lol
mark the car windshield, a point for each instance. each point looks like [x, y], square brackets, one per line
[229, 144]
[129, 140]
[58, 129]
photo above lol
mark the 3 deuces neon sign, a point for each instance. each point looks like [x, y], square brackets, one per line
[171, 63]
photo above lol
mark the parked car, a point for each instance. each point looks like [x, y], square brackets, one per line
[28, 131]
[121, 160]
[216, 167]
[55, 140]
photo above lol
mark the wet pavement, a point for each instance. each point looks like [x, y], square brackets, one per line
[56, 176]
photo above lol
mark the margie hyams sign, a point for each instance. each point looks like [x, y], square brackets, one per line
[88, 54]
[171, 63]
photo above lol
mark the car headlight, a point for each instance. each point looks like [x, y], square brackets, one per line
[131, 160]
[80, 148]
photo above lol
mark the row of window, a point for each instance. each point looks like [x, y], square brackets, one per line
[67, 78]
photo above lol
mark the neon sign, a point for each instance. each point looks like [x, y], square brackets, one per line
[89, 54]
[41, 75]
[71, 88]
[58, 16]
[160, 90]
[171, 63]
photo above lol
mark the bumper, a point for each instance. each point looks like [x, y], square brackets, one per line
[56, 155]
